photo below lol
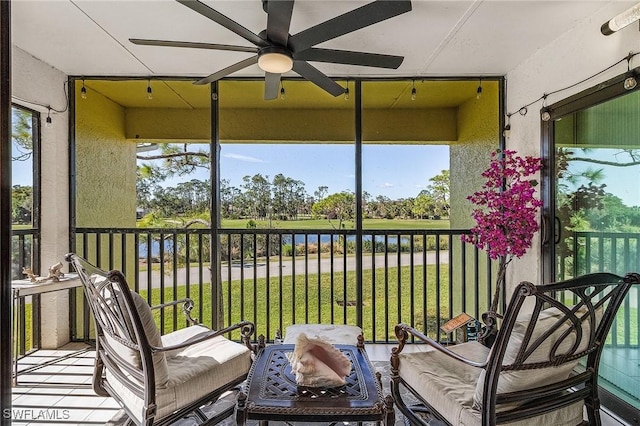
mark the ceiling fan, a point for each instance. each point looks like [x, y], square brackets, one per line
[277, 51]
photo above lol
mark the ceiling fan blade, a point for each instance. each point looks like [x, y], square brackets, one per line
[228, 70]
[192, 44]
[318, 78]
[350, 57]
[278, 20]
[223, 20]
[361, 17]
[271, 85]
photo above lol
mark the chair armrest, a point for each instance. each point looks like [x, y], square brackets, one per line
[246, 329]
[402, 333]
[186, 308]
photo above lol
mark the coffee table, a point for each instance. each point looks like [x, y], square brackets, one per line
[271, 392]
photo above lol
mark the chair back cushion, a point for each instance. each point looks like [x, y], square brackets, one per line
[553, 338]
[132, 356]
[115, 317]
[154, 338]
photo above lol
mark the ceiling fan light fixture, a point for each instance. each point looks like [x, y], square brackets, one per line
[274, 59]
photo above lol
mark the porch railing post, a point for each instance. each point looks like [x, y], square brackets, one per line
[358, 221]
[6, 299]
[217, 314]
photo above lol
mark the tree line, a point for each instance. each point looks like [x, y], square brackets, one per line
[284, 198]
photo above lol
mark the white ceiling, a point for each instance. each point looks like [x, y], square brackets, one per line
[437, 38]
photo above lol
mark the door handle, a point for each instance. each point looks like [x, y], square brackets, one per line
[557, 230]
[545, 229]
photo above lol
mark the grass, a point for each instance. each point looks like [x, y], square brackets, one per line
[28, 316]
[21, 226]
[318, 300]
[311, 300]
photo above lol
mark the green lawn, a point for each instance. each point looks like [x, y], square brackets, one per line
[317, 299]
[19, 226]
[312, 300]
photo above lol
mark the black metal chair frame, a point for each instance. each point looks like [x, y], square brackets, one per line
[601, 292]
[124, 316]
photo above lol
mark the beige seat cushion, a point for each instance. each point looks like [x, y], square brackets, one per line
[336, 334]
[449, 386]
[193, 372]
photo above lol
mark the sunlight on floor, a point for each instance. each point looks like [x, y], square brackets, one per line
[61, 393]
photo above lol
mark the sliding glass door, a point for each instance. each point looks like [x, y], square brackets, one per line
[592, 215]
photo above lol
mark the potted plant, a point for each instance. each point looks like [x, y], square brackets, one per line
[506, 216]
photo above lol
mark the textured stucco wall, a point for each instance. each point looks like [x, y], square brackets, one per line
[292, 125]
[469, 156]
[105, 165]
[581, 52]
[105, 177]
[168, 124]
[36, 81]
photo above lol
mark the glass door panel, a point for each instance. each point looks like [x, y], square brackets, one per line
[596, 219]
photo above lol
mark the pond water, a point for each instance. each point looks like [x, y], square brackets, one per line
[299, 239]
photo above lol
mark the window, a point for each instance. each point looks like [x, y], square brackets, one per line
[25, 195]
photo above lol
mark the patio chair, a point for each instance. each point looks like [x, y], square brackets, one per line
[158, 379]
[541, 370]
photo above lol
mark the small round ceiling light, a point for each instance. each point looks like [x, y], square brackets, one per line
[275, 59]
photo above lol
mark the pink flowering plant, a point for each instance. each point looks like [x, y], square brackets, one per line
[506, 219]
[506, 213]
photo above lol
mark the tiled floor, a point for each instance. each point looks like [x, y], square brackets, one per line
[61, 394]
[620, 365]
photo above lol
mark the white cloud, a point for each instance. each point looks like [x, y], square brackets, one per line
[386, 185]
[245, 158]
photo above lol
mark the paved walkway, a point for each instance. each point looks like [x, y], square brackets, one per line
[289, 267]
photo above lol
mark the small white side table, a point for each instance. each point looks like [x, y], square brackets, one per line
[21, 290]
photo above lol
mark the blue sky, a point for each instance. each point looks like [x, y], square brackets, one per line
[21, 171]
[395, 171]
[623, 182]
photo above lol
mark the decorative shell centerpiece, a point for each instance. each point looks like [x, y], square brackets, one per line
[317, 363]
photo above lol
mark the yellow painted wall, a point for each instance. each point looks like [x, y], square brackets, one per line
[478, 126]
[105, 180]
[470, 154]
[292, 125]
[410, 125]
[105, 165]
[170, 124]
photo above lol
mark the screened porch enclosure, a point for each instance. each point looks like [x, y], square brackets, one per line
[372, 258]
[374, 274]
